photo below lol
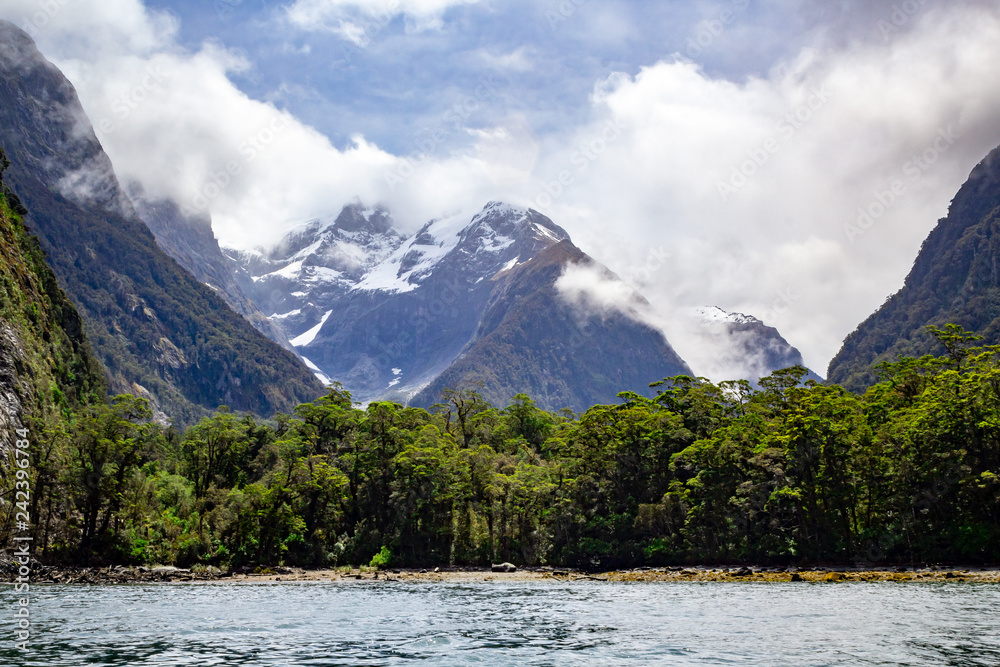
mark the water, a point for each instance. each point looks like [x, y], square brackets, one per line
[509, 624]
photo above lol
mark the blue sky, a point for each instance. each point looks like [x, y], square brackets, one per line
[715, 152]
[402, 83]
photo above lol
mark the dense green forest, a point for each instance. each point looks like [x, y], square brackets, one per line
[701, 473]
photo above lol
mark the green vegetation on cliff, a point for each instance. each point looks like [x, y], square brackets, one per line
[158, 331]
[45, 361]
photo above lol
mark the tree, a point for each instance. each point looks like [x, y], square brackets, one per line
[107, 448]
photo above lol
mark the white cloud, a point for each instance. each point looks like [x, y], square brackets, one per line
[97, 28]
[359, 20]
[779, 245]
[519, 60]
[593, 290]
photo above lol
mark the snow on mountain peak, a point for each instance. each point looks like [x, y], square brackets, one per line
[714, 314]
[486, 242]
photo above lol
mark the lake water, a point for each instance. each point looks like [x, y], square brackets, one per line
[509, 624]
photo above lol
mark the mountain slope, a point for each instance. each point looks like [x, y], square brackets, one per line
[192, 243]
[314, 266]
[743, 347]
[46, 364]
[955, 279]
[159, 332]
[532, 340]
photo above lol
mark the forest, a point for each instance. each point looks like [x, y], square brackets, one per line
[785, 472]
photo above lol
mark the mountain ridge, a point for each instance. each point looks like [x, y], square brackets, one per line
[744, 342]
[955, 279]
[159, 332]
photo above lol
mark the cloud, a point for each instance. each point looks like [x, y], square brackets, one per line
[518, 60]
[717, 349]
[593, 291]
[757, 186]
[695, 187]
[97, 28]
[174, 122]
[358, 20]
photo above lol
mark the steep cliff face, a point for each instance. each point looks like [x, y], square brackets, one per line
[46, 364]
[159, 332]
[955, 279]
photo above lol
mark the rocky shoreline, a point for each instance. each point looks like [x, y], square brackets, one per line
[118, 574]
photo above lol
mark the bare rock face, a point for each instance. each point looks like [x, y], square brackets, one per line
[12, 387]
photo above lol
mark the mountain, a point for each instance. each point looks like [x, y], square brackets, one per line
[192, 244]
[531, 340]
[46, 364]
[741, 347]
[955, 279]
[159, 332]
[466, 301]
[314, 266]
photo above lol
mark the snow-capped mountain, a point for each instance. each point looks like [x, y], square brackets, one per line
[315, 266]
[493, 240]
[388, 315]
[742, 347]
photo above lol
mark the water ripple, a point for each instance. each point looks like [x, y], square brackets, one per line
[328, 624]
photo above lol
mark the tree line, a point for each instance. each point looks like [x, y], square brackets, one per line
[782, 472]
